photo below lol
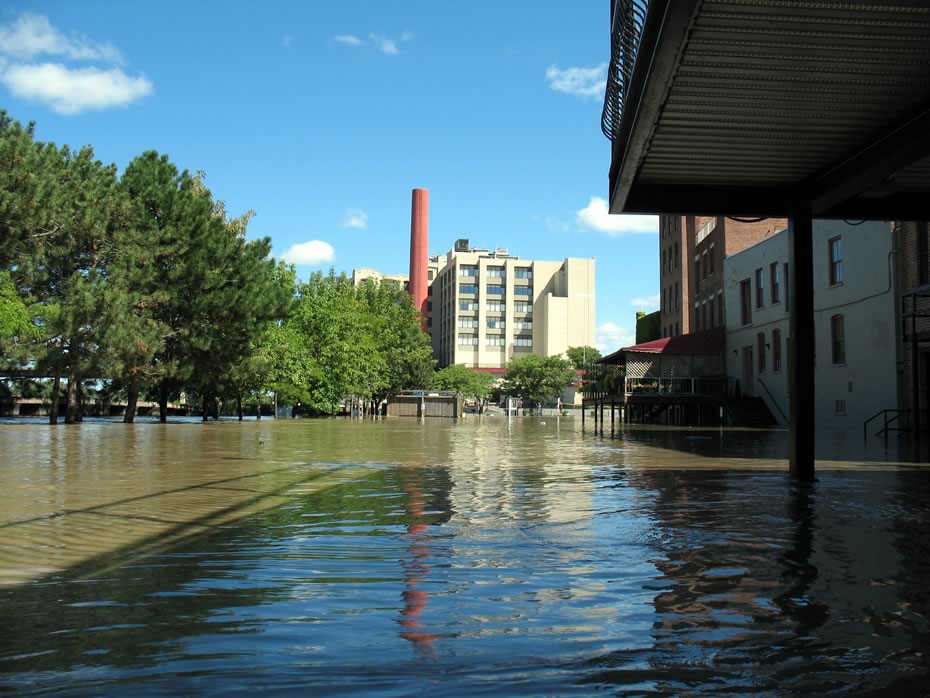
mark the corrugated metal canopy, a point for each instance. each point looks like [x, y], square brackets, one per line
[761, 107]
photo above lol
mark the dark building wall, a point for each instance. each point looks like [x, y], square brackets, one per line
[648, 327]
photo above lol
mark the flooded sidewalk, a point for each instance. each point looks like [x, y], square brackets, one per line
[499, 556]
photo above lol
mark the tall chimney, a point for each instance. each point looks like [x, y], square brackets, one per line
[419, 240]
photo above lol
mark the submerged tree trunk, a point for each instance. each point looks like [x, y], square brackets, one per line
[162, 403]
[239, 405]
[204, 410]
[72, 410]
[258, 409]
[56, 396]
[131, 401]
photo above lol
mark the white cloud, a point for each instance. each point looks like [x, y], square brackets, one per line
[587, 83]
[312, 253]
[348, 40]
[595, 216]
[610, 336]
[33, 35]
[385, 44]
[355, 218]
[66, 89]
[647, 302]
[73, 90]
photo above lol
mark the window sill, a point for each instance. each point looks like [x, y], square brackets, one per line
[837, 284]
[840, 365]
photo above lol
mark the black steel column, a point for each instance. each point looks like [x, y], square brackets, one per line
[801, 347]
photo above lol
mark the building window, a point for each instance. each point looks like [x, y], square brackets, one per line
[496, 307]
[494, 341]
[497, 290]
[838, 339]
[836, 260]
[697, 274]
[523, 324]
[497, 272]
[664, 267]
[775, 278]
[468, 305]
[522, 308]
[497, 324]
[468, 271]
[711, 258]
[704, 262]
[468, 288]
[776, 350]
[523, 291]
[760, 289]
[760, 341]
[676, 255]
[745, 302]
[429, 275]
[923, 252]
[468, 322]
[787, 289]
[522, 273]
[839, 408]
[468, 339]
[522, 342]
[677, 298]
[720, 307]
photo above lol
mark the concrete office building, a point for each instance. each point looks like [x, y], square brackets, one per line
[691, 253]
[489, 307]
[855, 352]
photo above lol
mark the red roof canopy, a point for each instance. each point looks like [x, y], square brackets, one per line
[706, 342]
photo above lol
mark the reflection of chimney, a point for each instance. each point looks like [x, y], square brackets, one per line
[419, 240]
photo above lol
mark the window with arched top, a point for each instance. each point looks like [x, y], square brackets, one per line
[838, 338]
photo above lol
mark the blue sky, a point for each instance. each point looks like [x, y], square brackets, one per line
[323, 116]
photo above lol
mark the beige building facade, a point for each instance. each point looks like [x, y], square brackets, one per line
[488, 307]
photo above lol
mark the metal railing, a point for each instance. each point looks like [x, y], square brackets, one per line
[891, 417]
[774, 401]
[627, 21]
[660, 385]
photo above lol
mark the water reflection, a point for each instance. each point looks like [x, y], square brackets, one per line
[514, 557]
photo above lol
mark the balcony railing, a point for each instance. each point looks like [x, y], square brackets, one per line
[627, 26]
[609, 382]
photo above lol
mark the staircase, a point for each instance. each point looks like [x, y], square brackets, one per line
[750, 412]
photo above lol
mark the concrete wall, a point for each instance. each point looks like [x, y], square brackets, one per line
[867, 381]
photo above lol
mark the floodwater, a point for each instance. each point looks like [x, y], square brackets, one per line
[487, 556]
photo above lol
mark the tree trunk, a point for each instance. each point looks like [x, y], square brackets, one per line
[162, 403]
[131, 400]
[204, 410]
[72, 409]
[239, 405]
[56, 396]
[258, 409]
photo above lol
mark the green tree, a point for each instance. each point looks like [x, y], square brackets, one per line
[16, 322]
[538, 379]
[394, 325]
[468, 382]
[582, 357]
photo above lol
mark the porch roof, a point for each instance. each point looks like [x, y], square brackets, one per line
[705, 343]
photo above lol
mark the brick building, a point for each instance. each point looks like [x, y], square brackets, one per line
[691, 254]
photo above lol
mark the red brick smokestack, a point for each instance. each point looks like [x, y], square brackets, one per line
[419, 240]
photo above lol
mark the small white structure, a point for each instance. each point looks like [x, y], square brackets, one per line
[854, 316]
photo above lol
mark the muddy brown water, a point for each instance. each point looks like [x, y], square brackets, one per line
[488, 555]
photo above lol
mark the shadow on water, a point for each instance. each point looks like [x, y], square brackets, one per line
[771, 586]
[485, 557]
[832, 445]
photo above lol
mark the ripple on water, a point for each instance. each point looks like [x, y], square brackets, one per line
[494, 557]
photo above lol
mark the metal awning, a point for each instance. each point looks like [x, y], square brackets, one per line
[764, 107]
